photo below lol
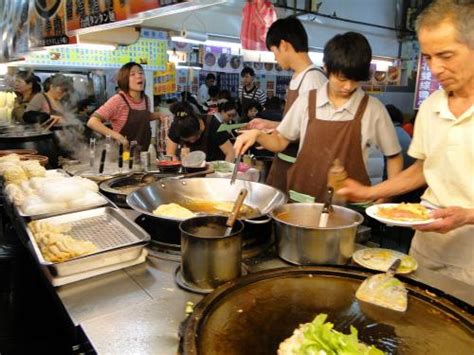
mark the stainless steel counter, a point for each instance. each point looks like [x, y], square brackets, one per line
[138, 310]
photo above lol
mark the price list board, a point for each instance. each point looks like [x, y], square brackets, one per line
[425, 82]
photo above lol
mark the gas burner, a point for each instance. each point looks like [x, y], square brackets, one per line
[165, 251]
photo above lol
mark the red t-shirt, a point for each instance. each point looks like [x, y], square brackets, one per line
[116, 110]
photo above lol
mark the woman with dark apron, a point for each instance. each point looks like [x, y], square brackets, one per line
[128, 111]
[197, 133]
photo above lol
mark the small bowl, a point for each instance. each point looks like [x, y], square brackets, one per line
[169, 166]
[43, 160]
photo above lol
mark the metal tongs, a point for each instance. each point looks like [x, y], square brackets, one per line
[236, 168]
[91, 152]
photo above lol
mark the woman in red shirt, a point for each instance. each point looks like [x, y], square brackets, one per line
[128, 110]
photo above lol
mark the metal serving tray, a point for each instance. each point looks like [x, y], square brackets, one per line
[118, 240]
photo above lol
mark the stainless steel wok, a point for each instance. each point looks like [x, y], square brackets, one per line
[262, 197]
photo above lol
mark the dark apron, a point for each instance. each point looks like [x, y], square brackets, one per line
[277, 177]
[137, 127]
[335, 139]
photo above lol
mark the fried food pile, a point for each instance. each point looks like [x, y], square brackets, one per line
[56, 245]
[173, 210]
[404, 212]
[15, 170]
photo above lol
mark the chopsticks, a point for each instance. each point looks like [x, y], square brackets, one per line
[236, 168]
[50, 122]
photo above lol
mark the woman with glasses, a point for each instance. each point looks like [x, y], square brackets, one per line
[48, 105]
[197, 132]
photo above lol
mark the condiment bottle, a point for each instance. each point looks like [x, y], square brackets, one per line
[336, 177]
[184, 152]
[152, 153]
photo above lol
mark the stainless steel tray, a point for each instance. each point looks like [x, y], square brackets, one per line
[118, 240]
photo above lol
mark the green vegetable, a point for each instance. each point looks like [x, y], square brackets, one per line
[222, 167]
[321, 339]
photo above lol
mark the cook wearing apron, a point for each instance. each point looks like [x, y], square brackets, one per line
[335, 139]
[277, 177]
[137, 127]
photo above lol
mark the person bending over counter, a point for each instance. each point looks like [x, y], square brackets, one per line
[198, 133]
[128, 110]
[48, 104]
[337, 121]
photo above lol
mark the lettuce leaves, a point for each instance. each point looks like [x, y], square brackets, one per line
[321, 339]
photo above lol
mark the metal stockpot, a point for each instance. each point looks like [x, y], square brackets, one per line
[208, 259]
[300, 241]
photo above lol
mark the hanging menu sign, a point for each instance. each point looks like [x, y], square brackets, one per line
[425, 82]
[47, 24]
[150, 53]
[87, 13]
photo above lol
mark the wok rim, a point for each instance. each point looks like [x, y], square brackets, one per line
[150, 214]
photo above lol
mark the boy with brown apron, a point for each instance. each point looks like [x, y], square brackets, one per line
[337, 121]
[288, 40]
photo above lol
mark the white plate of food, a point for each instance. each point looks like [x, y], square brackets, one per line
[381, 259]
[400, 214]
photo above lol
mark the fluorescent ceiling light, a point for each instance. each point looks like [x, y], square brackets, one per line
[93, 46]
[188, 66]
[258, 56]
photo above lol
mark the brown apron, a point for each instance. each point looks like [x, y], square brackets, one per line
[277, 177]
[137, 127]
[325, 141]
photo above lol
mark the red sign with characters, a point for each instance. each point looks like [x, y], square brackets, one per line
[425, 82]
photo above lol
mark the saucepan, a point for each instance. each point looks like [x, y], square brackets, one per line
[301, 241]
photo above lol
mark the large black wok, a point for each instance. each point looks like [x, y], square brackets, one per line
[253, 314]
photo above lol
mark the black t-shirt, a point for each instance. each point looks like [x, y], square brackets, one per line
[214, 140]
